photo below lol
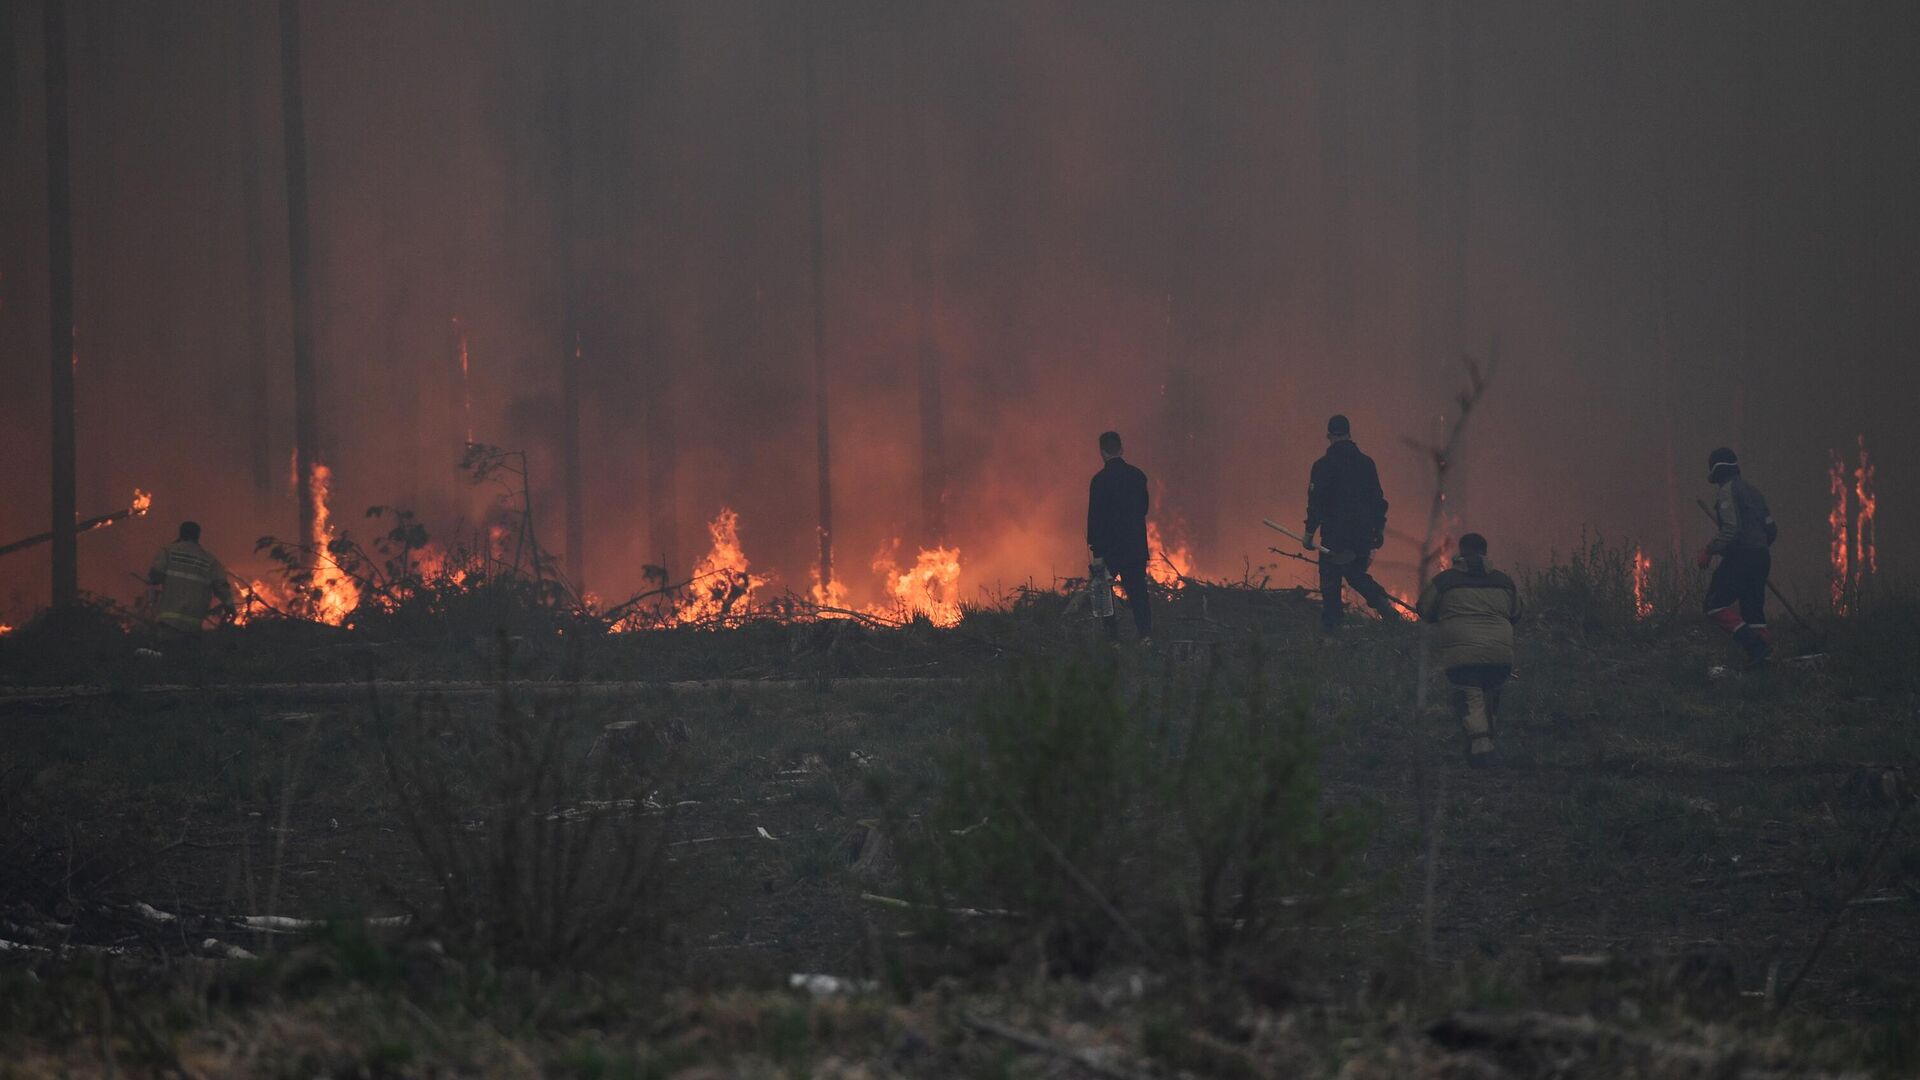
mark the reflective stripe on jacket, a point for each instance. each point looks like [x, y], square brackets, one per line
[1475, 607]
[189, 578]
[1742, 517]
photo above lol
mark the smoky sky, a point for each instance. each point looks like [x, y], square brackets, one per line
[1205, 225]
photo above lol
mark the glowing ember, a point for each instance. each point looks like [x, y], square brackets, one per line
[1839, 549]
[1167, 566]
[723, 582]
[930, 590]
[5, 629]
[1866, 560]
[1642, 570]
[142, 502]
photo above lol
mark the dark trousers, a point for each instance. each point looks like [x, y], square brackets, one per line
[1353, 572]
[1139, 599]
[1737, 597]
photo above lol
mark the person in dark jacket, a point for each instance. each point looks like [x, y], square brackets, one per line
[1737, 594]
[1346, 507]
[1117, 531]
[1474, 607]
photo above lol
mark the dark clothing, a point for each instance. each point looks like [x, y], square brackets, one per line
[1117, 516]
[1133, 578]
[1475, 607]
[1737, 594]
[1737, 598]
[1344, 501]
[1354, 573]
[1741, 517]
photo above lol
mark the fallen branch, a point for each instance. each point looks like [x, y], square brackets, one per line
[1840, 909]
[1029, 1041]
[961, 912]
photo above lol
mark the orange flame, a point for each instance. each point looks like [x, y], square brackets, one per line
[723, 581]
[1642, 569]
[1866, 560]
[142, 502]
[1167, 567]
[5, 629]
[334, 593]
[930, 590]
[832, 594]
[1839, 549]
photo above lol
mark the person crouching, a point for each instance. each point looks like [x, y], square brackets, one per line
[1474, 607]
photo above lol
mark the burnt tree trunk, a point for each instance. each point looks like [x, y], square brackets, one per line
[1443, 152]
[253, 213]
[933, 437]
[66, 574]
[306, 419]
[560, 134]
[816, 244]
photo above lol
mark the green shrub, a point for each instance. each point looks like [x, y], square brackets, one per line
[542, 826]
[1592, 589]
[1186, 831]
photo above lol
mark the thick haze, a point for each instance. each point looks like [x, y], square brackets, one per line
[1206, 225]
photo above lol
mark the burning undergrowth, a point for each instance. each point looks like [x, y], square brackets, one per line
[329, 577]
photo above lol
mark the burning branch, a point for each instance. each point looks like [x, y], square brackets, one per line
[142, 502]
[1852, 558]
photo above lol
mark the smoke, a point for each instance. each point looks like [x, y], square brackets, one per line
[1205, 226]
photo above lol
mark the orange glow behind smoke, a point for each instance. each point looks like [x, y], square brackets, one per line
[723, 582]
[1838, 548]
[1642, 569]
[1866, 560]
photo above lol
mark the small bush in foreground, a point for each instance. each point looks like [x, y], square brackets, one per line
[1088, 831]
[544, 831]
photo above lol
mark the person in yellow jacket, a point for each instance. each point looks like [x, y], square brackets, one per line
[189, 578]
[1475, 607]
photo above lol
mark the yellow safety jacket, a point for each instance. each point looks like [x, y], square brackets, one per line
[189, 578]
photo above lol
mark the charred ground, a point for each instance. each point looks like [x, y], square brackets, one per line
[1655, 859]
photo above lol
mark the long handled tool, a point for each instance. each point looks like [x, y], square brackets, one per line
[1337, 557]
[1776, 592]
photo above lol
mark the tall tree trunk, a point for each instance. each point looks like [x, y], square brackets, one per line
[306, 419]
[1335, 123]
[66, 574]
[253, 210]
[560, 132]
[933, 436]
[1443, 148]
[1189, 444]
[816, 230]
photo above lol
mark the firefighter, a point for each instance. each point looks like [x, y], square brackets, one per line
[1117, 532]
[1474, 607]
[1345, 505]
[188, 578]
[1737, 593]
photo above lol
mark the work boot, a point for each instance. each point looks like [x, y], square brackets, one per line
[1756, 643]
